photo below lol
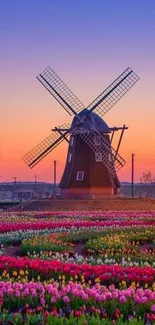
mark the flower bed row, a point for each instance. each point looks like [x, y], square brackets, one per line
[17, 236]
[44, 243]
[140, 261]
[77, 299]
[43, 317]
[123, 242]
[105, 274]
[79, 214]
[98, 245]
[6, 227]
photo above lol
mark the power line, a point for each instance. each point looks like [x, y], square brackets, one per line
[55, 170]
[146, 162]
[132, 174]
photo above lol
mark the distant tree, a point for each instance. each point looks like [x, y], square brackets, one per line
[148, 179]
[141, 180]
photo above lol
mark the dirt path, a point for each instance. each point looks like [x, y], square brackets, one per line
[80, 249]
[12, 251]
[105, 204]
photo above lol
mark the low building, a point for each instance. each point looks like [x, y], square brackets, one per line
[25, 191]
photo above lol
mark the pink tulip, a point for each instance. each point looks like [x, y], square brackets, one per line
[17, 293]
[42, 301]
[85, 297]
[53, 299]
[114, 295]
[98, 297]
[103, 297]
[108, 295]
[153, 308]
[33, 293]
[152, 296]
[144, 300]
[137, 299]
[66, 299]
[10, 292]
[140, 293]
[122, 299]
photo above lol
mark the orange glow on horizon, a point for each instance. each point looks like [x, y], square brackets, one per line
[29, 118]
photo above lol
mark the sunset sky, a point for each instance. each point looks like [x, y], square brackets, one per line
[88, 43]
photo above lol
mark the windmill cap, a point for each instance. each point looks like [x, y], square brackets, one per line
[94, 119]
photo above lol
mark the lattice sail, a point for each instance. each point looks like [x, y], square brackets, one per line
[111, 95]
[60, 91]
[45, 147]
[104, 148]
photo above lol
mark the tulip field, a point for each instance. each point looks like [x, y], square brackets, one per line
[77, 267]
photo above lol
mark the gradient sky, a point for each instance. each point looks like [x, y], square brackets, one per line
[88, 43]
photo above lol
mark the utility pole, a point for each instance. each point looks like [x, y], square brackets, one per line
[132, 174]
[14, 191]
[55, 171]
[19, 193]
[35, 185]
[15, 179]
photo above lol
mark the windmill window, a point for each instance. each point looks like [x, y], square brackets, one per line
[69, 157]
[98, 156]
[110, 157]
[72, 141]
[97, 140]
[80, 176]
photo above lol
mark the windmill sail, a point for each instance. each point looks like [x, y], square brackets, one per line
[104, 149]
[83, 128]
[60, 91]
[45, 147]
[111, 95]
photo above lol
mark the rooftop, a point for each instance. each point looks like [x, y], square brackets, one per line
[94, 119]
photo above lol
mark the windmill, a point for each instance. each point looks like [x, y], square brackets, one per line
[92, 162]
